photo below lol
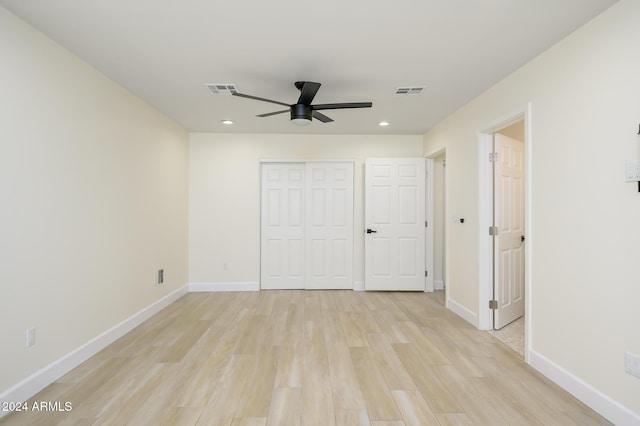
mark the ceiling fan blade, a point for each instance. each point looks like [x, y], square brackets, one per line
[242, 95]
[308, 92]
[343, 105]
[269, 114]
[321, 117]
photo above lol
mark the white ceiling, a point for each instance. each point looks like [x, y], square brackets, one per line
[360, 50]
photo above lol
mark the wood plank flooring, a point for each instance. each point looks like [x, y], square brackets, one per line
[307, 358]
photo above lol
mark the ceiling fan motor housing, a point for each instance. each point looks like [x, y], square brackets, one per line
[301, 111]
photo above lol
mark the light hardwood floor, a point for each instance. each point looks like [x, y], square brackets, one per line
[307, 358]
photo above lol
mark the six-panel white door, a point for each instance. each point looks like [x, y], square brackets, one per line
[282, 226]
[395, 224]
[509, 219]
[329, 226]
[307, 226]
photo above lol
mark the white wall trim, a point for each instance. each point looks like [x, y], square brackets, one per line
[243, 286]
[438, 285]
[220, 287]
[485, 219]
[607, 407]
[462, 312]
[52, 372]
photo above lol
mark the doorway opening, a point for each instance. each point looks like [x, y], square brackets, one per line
[508, 230]
[509, 236]
[437, 233]
[504, 287]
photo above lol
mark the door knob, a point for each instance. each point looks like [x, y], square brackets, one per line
[371, 231]
[521, 237]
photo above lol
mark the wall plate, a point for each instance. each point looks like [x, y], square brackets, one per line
[633, 171]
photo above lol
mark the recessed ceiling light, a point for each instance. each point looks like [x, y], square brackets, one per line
[383, 123]
[227, 122]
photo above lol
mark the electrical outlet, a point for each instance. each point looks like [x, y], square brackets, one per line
[632, 364]
[633, 171]
[160, 276]
[31, 336]
[225, 265]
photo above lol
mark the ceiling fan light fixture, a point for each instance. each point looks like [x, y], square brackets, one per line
[301, 121]
[301, 114]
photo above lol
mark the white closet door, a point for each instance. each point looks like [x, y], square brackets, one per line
[329, 229]
[282, 226]
[306, 226]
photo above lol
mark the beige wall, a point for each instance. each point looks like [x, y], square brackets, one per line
[224, 197]
[93, 189]
[584, 95]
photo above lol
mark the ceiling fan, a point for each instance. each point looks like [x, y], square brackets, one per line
[302, 111]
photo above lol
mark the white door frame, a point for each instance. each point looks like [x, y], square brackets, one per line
[485, 203]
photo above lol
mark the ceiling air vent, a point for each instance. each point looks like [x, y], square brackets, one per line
[222, 88]
[410, 91]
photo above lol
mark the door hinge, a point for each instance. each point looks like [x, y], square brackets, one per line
[426, 224]
[493, 304]
[426, 274]
[493, 230]
[493, 157]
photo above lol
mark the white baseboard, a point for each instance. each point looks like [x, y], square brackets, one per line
[438, 285]
[462, 312]
[220, 287]
[242, 286]
[49, 374]
[608, 408]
